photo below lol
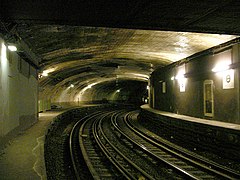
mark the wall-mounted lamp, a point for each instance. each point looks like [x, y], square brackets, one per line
[224, 70]
[180, 76]
[172, 78]
[182, 80]
[12, 48]
[118, 90]
[72, 85]
[222, 66]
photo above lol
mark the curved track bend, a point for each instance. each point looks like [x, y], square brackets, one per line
[115, 146]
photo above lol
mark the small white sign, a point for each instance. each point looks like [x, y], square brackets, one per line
[228, 79]
[182, 84]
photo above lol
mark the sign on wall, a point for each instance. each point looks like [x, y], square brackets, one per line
[228, 79]
[182, 85]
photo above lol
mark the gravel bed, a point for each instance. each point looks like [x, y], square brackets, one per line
[56, 148]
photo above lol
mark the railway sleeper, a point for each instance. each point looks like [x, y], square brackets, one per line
[95, 158]
[87, 143]
[187, 167]
[129, 144]
[200, 173]
[166, 156]
[180, 163]
[91, 151]
[160, 153]
[207, 177]
[103, 170]
[107, 176]
[98, 164]
[118, 134]
[173, 159]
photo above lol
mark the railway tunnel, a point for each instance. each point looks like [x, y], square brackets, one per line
[149, 54]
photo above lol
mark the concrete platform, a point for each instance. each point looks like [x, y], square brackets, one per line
[193, 119]
[220, 137]
[23, 157]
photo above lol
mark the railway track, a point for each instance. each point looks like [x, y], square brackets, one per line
[82, 140]
[114, 146]
[188, 163]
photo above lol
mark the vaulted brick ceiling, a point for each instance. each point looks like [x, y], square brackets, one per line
[82, 42]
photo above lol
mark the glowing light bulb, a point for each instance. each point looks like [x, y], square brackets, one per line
[12, 48]
[222, 66]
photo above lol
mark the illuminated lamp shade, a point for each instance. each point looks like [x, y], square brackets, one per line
[12, 48]
[222, 66]
[180, 76]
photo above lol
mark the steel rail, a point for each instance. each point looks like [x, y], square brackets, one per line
[125, 171]
[187, 174]
[201, 162]
[72, 139]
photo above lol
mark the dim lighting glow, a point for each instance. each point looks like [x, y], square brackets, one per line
[143, 76]
[221, 66]
[180, 76]
[4, 62]
[89, 86]
[118, 90]
[71, 85]
[12, 48]
[3, 52]
[44, 73]
[147, 87]
[47, 71]
[172, 78]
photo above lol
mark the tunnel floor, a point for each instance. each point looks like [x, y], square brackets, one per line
[23, 157]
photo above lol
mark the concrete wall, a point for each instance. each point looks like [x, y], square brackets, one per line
[185, 95]
[18, 93]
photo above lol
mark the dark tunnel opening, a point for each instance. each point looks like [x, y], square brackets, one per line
[123, 91]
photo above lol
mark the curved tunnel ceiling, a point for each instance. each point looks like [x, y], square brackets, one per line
[82, 56]
[79, 55]
[83, 43]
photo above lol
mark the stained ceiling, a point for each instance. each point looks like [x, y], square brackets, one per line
[88, 42]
